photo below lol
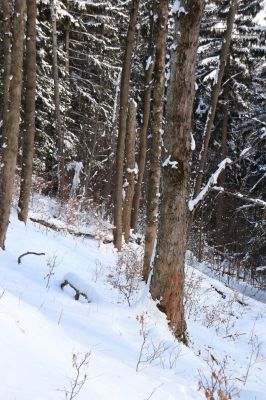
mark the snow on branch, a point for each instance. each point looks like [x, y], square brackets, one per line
[240, 196]
[214, 177]
[211, 182]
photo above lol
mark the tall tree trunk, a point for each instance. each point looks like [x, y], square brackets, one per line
[8, 166]
[67, 44]
[29, 130]
[130, 167]
[58, 121]
[6, 29]
[143, 141]
[144, 127]
[167, 284]
[223, 154]
[156, 126]
[120, 151]
[215, 93]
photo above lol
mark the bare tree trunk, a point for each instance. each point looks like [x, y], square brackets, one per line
[58, 121]
[221, 198]
[215, 93]
[91, 159]
[120, 151]
[143, 143]
[8, 166]
[144, 129]
[167, 284]
[6, 27]
[67, 44]
[130, 167]
[156, 126]
[29, 131]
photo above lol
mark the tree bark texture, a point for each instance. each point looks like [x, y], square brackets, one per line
[122, 123]
[8, 165]
[215, 93]
[29, 129]
[156, 127]
[6, 31]
[130, 168]
[144, 131]
[167, 285]
[58, 121]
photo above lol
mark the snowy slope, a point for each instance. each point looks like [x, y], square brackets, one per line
[41, 328]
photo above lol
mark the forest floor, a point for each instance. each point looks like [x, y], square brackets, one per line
[112, 350]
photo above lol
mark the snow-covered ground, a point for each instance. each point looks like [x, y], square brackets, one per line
[42, 327]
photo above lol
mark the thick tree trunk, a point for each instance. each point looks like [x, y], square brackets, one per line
[6, 29]
[130, 167]
[29, 131]
[58, 121]
[167, 284]
[156, 127]
[8, 166]
[215, 93]
[120, 151]
[143, 133]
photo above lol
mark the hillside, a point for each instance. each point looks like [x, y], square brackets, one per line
[42, 326]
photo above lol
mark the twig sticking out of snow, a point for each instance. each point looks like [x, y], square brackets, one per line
[29, 252]
[78, 291]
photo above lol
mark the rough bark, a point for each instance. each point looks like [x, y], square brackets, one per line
[156, 127]
[130, 168]
[215, 93]
[6, 29]
[29, 129]
[143, 132]
[167, 284]
[8, 166]
[58, 121]
[120, 151]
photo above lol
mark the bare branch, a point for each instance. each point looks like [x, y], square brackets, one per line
[259, 202]
[27, 253]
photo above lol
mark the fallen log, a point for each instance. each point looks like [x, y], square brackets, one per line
[69, 230]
